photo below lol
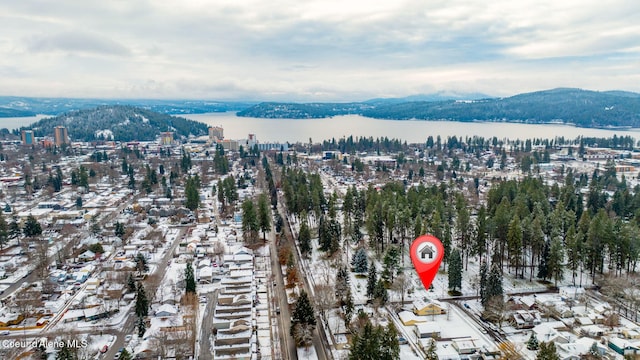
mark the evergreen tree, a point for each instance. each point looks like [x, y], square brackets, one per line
[359, 261]
[303, 313]
[480, 241]
[342, 283]
[192, 194]
[514, 243]
[391, 264]
[141, 263]
[264, 215]
[532, 344]
[547, 351]
[389, 346]
[304, 239]
[14, 228]
[574, 251]
[375, 343]
[119, 230]
[556, 260]
[132, 180]
[125, 355]
[494, 282]
[142, 303]
[329, 233]
[142, 327]
[372, 279]
[380, 292]
[348, 308]
[32, 227]
[190, 281]
[455, 271]
[543, 267]
[4, 231]
[483, 282]
[250, 225]
[131, 283]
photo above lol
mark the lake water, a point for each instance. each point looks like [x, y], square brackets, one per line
[17, 122]
[413, 131]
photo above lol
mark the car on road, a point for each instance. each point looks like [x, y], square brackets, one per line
[127, 338]
[5, 332]
[104, 349]
[203, 299]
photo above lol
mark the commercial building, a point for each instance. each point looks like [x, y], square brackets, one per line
[27, 137]
[216, 133]
[60, 135]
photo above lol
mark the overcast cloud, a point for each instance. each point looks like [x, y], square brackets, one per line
[326, 50]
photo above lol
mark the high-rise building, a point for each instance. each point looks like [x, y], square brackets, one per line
[60, 135]
[27, 137]
[166, 138]
[216, 133]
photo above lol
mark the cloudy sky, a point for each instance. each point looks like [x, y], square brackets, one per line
[325, 50]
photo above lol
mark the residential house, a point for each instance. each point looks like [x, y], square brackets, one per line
[464, 346]
[427, 330]
[526, 319]
[428, 307]
[166, 310]
[623, 347]
[408, 318]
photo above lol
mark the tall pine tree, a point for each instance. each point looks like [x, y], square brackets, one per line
[189, 279]
[303, 313]
[372, 279]
[304, 239]
[455, 271]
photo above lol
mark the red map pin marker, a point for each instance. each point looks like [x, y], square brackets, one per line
[426, 254]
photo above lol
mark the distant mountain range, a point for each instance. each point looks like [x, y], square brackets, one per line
[120, 123]
[54, 106]
[583, 108]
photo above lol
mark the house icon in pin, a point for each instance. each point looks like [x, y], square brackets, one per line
[427, 252]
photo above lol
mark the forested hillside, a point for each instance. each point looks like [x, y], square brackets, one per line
[572, 106]
[6, 112]
[120, 123]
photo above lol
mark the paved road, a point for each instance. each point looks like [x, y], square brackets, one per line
[287, 345]
[205, 352]
[320, 342]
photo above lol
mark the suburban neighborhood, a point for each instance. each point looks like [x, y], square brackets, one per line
[213, 248]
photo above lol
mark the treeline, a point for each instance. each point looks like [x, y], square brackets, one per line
[273, 110]
[474, 144]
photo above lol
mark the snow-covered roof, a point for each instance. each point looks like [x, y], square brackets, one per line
[407, 317]
[166, 310]
[428, 327]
